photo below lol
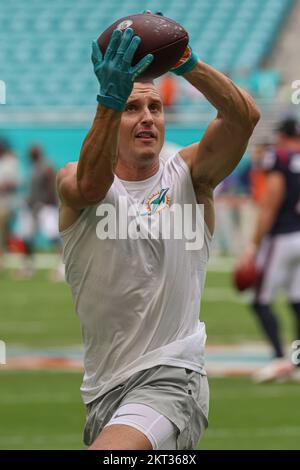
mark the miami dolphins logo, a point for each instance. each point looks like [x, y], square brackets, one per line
[157, 202]
[124, 24]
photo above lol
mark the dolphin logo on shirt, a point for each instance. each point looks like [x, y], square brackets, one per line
[157, 202]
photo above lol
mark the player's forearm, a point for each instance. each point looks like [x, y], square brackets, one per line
[264, 223]
[98, 156]
[232, 102]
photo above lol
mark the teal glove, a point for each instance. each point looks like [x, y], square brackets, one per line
[187, 62]
[115, 72]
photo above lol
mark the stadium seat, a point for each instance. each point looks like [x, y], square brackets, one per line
[55, 38]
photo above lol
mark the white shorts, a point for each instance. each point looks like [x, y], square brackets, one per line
[168, 404]
[48, 221]
[45, 221]
[279, 260]
[157, 428]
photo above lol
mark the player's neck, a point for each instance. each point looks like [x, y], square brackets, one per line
[136, 171]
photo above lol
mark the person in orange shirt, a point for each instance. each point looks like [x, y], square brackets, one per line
[168, 90]
[257, 174]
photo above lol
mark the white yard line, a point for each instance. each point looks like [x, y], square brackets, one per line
[50, 260]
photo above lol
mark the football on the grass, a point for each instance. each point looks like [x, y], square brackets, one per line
[245, 276]
[160, 36]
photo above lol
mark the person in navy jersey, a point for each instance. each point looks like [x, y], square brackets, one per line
[275, 246]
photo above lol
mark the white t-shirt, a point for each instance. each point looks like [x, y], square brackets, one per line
[138, 300]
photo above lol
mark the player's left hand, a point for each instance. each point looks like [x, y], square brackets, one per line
[115, 71]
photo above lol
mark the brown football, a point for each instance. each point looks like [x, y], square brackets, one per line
[160, 36]
[246, 276]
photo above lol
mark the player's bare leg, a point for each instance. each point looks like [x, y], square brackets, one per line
[121, 437]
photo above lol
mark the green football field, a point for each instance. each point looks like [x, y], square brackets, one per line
[43, 409]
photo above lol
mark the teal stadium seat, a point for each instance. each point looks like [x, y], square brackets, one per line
[40, 42]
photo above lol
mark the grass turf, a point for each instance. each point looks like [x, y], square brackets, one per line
[43, 410]
[38, 313]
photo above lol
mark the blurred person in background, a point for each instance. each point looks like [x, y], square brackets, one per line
[8, 187]
[257, 171]
[232, 205]
[275, 245]
[243, 205]
[225, 237]
[168, 88]
[40, 213]
[250, 189]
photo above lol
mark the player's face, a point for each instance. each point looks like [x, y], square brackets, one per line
[142, 124]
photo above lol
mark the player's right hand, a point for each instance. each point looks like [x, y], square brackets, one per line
[248, 256]
[114, 71]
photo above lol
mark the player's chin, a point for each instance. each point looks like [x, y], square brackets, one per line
[147, 145]
[147, 152]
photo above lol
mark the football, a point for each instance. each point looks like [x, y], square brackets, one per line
[160, 36]
[245, 276]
